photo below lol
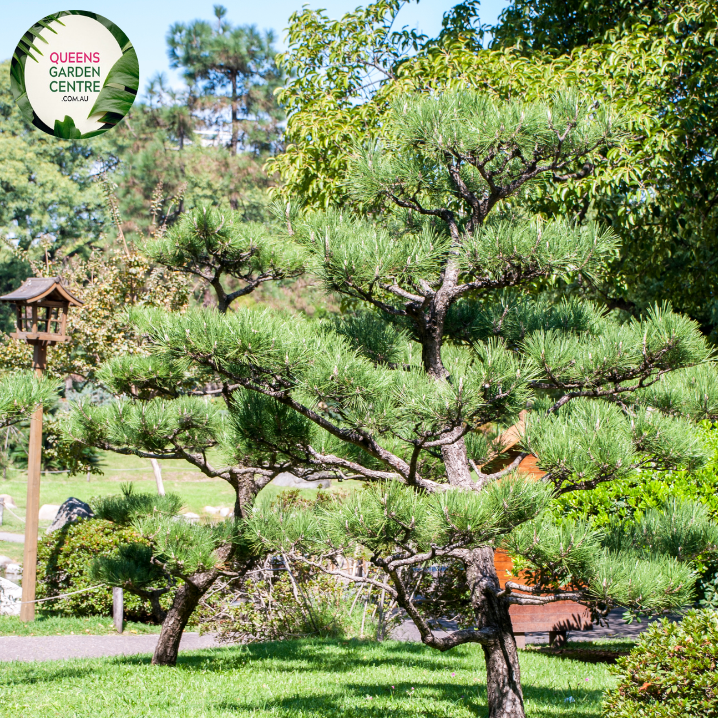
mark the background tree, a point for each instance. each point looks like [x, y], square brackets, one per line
[239, 61]
[49, 204]
[653, 62]
[452, 346]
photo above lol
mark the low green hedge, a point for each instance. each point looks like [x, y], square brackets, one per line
[672, 672]
[64, 559]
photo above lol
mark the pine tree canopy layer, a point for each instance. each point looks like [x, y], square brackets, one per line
[21, 393]
[450, 354]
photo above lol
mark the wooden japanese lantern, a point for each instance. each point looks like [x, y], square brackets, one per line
[42, 304]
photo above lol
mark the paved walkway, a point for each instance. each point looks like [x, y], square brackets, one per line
[52, 648]
[616, 628]
[12, 538]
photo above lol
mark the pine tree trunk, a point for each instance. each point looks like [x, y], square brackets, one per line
[234, 142]
[503, 675]
[186, 598]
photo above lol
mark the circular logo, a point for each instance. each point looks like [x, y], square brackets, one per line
[74, 74]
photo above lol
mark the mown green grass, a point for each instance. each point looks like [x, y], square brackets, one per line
[11, 550]
[47, 625]
[295, 679]
[196, 490]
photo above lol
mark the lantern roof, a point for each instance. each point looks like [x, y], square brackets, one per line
[37, 289]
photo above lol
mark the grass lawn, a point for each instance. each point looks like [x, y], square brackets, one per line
[46, 625]
[296, 679]
[196, 490]
[10, 549]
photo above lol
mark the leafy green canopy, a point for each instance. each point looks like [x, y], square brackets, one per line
[208, 244]
[655, 62]
[359, 384]
[385, 516]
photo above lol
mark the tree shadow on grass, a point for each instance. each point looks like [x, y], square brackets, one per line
[320, 654]
[430, 700]
[437, 699]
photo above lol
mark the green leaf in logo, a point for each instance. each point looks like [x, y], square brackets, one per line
[120, 88]
[66, 129]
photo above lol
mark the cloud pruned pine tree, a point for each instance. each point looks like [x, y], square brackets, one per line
[161, 410]
[448, 344]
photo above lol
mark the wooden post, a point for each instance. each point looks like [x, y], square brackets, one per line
[158, 476]
[34, 461]
[118, 608]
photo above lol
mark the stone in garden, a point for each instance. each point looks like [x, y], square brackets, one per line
[293, 482]
[48, 512]
[10, 596]
[211, 510]
[225, 512]
[13, 568]
[72, 510]
[8, 501]
[4, 561]
[189, 516]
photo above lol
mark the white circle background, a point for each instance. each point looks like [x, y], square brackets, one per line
[79, 34]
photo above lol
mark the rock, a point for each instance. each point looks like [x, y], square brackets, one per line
[5, 561]
[48, 512]
[8, 501]
[293, 482]
[10, 597]
[189, 516]
[225, 512]
[72, 510]
[211, 510]
[13, 568]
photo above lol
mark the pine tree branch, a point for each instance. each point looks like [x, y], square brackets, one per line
[353, 436]
[487, 478]
[442, 643]
[342, 574]
[402, 293]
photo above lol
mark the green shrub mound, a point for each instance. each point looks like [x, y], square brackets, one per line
[671, 673]
[64, 565]
[129, 505]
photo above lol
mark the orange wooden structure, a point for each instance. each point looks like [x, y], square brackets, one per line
[553, 618]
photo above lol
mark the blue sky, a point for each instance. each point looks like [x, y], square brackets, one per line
[146, 21]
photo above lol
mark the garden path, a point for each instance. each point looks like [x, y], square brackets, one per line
[52, 648]
[616, 628]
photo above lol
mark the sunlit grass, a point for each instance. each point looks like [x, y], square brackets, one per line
[296, 679]
[46, 625]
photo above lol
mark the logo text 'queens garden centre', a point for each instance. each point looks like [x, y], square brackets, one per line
[74, 74]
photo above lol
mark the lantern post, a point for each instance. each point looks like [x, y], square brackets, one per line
[41, 304]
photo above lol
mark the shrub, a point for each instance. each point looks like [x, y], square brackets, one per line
[65, 558]
[671, 673]
[268, 605]
[129, 505]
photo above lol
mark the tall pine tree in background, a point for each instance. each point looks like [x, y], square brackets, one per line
[233, 68]
[448, 343]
